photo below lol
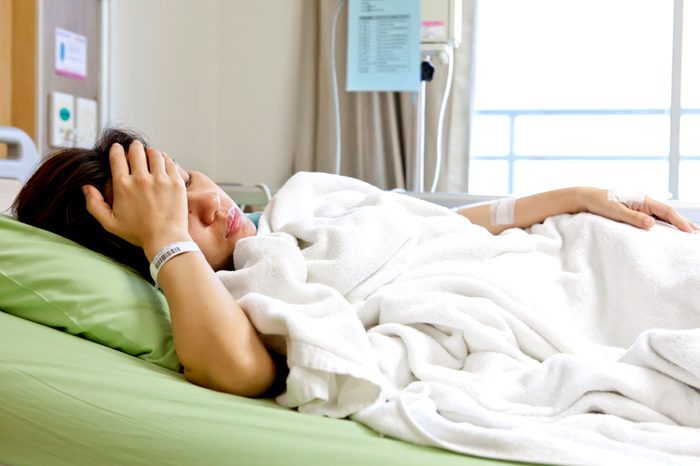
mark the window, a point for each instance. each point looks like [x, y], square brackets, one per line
[586, 92]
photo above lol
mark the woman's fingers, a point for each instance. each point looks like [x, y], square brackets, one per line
[644, 214]
[171, 167]
[156, 161]
[169, 164]
[97, 206]
[638, 211]
[635, 217]
[669, 214]
[118, 162]
[137, 158]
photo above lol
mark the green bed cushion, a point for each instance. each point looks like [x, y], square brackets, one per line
[123, 411]
[53, 281]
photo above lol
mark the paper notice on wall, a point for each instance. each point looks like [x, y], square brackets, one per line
[71, 54]
[383, 45]
[432, 30]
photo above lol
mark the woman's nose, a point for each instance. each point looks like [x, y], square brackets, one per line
[204, 205]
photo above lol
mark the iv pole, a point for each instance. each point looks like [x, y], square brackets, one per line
[427, 71]
[439, 43]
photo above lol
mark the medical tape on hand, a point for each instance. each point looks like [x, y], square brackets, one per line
[503, 212]
[630, 198]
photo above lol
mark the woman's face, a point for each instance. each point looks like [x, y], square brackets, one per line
[215, 222]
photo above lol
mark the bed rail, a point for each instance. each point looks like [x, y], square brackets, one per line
[21, 162]
[22, 154]
[248, 195]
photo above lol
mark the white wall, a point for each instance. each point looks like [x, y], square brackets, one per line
[211, 82]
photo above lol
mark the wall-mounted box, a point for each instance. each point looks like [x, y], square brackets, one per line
[441, 21]
[61, 119]
[86, 122]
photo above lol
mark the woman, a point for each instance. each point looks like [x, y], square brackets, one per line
[132, 203]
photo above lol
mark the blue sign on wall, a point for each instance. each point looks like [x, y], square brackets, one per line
[383, 45]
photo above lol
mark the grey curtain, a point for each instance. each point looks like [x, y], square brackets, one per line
[377, 127]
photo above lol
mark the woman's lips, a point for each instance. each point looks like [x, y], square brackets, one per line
[233, 224]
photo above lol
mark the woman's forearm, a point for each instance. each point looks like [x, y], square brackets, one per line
[214, 340]
[528, 210]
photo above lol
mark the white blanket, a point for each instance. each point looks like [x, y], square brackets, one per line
[576, 342]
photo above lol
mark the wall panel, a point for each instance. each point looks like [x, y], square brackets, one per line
[213, 82]
[81, 17]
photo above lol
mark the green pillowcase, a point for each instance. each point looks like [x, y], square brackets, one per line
[53, 281]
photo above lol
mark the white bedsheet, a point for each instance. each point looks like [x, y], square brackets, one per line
[574, 343]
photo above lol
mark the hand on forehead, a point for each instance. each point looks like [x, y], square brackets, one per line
[135, 155]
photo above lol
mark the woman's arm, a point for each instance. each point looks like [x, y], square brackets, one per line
[530, 210]
[214, 340]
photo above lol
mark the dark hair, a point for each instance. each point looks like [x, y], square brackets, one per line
[52, 199]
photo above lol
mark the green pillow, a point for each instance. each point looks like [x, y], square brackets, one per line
[53, 281]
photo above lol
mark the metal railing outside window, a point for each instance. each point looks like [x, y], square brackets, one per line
[512, 157]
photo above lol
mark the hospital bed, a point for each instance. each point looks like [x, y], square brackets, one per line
[88, 373]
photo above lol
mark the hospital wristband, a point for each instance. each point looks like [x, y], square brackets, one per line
[168, 252]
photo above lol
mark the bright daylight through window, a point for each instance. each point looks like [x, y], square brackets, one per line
[584, 92]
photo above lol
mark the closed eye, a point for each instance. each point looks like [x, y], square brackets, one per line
[188, 181]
